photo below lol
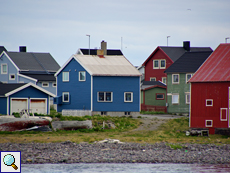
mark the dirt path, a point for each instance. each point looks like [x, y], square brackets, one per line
[152, 122]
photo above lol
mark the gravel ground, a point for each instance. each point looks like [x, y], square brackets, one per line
[68, 152]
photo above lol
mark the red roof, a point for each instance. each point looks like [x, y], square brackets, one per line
[216, 68]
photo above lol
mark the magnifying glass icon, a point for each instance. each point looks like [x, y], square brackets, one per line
[9, 160]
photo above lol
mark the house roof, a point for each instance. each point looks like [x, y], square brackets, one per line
[7, 89]
[152, 84]
[94, 51]
[106, 66]
[27, 61]
[41, 77]
[189, 62]
[176, 52]
[216, 67]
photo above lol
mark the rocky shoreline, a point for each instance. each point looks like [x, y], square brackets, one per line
[69, 152]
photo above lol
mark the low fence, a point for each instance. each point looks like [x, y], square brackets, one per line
[73, 112]
[153, 108]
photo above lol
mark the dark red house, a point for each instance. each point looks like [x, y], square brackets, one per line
[210, 92]
[163, 57]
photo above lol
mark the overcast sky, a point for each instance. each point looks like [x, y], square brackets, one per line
[60, 26]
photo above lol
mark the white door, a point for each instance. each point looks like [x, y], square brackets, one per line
[38, 106]
[18, 104]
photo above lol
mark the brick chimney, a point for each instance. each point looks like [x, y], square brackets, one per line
[186, 45]
[104, 47]
[22, 48]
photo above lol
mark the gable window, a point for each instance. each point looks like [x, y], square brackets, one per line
[105, 97]
[81, 75]
[175, 78]
[12, 77]
[45, 84]
[162, 64]
[159, 64]
[188, 76]
[4, 69]
[65, 76]
[128, 97]
[175, 99]
[65, 97]
[187, 98]
[155, 64]
[152, 79]
[209, 102]
[160, 96]
[164, 80]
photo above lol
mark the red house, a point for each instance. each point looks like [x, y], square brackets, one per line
[210, 93]
[164, 56]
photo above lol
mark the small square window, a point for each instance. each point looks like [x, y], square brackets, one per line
[81, 75]
[45, 84]
[175, 78]
[175, 99]
[160, 96]
[128, 97]
[12, 77]
[208, 123]
[152, 79]
[65, 76]
[65, 97]
[54, 84]
[209, 102]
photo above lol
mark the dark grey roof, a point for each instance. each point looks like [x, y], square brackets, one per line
[7, 87]
[147, 84]
[41, 77]
[176, 52]
[189, 62]
[27, 61]
[94, 51]
[2, 48]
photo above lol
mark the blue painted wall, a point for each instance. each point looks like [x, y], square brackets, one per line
[3, 105]
[118, 85]
[50, 88]
[79, 91]
[25, 80]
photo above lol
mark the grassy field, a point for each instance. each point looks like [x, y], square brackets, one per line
[172, 131]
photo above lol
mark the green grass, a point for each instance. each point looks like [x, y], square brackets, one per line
[152, 112]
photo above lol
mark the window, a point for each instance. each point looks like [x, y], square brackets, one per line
[209, 102]
[152, 79]
[164, 80]
[175, 99]
[65, 97]
[54, 84]
[159, 64]
[81, 75]
[188, 76]
[187, 98]
[160, 96]
[128, 97]
[105, 97]
[223, 114]
[208, 123]
[175, 78]
[12, 77]
[65, 76]
[45, 84]
[4, 69]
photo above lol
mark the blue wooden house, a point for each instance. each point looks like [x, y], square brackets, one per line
[104, 84]
[18, 96]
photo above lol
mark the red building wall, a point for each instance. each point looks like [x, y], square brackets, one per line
[158, 73]
[219, 92]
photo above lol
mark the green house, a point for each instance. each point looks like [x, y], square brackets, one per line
[153, 96]
[178, 75]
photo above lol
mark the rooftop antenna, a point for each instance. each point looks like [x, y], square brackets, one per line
[167, 39]
[89, 42]
[121, 43]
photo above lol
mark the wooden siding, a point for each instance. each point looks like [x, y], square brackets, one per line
[218, 92]
[79, 91]
[3, 107]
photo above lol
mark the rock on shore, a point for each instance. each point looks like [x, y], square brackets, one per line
[69, 152]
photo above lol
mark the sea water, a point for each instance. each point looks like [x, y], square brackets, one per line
[124, 168]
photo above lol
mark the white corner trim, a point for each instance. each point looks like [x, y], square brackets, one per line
[27, 77]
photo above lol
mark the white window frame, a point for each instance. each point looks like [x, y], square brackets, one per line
[154, 79]
[12, 74]
[176, 103]
[165, 80]
[173, 79]
[125, 100]
[79, 76]
[187, 77]
[221, 117]
[207, 100]
[54, 84]
[154, 64]
[160, 64]
[186, 98]
[46, 84]
[206, 125]
[160, 94]
[2, 72]
[104, 96]
[65, 80]
[63, 97]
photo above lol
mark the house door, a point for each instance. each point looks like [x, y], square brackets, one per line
[18, 104]
[38, 106]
